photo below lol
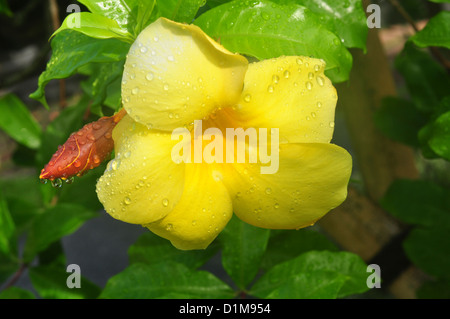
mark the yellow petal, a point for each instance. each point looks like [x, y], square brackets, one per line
[311, 180]
[175, 73]
[292, 94]
[202, 212]
[141, 184]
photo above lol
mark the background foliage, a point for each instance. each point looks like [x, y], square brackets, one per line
[35, 217]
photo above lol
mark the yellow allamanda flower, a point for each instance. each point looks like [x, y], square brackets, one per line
[175, 77]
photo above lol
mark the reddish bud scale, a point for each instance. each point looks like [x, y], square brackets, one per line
[83, 150]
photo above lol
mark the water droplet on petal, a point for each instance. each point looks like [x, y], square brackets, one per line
[268, 190]
[149, 76]
[331, 124]
[127, 201]
[309, 85]
[135, 91]
[169, 227]
[57, 183]
[166, 87]
[247, 98]
[286, 74]
[165, 203]
[275, 79]
[270, 89]
[320, 80]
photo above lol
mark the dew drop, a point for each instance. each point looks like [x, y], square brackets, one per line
[270, 89]
[276, 205]
[77, 164]
[299, 61]
[309, 85]
[166, 87]
[194, 222]
[135, 91]
[149, 76]
[275, 79]
[286, 74]
[331, 124]
[127, 154]
[165, 203]
[320, 80]
[171, 58]
[144, 49]
[169, 227]
[247, 98]
[57, 183]
[319, 105]
[127, 201]
[316, 68]
[268, 190]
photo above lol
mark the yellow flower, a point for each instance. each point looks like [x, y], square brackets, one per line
[175, 78]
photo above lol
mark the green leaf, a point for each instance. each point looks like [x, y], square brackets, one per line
[53, 224]
[103, 76]
[17, 121]
[72, 50]
[151, 249]
[429, 249]
[130, 15]
[95, 26]
[289, 244]
[437, 136]
[243, 248]
[16, 293]
[436, 32]
[51, 283]
[440, 1]
[346, 19]
[4, 8]
[265, 30]
[400, 120]
[434, 290]
[179, 10]
[426, 80]
[418, 202]
[7, 229]
[314, 274]
[164, 280]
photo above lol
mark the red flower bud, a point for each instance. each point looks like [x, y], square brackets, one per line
[83, 150]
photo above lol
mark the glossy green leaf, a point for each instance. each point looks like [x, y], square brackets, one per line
[17, 121]
[315, 274]
[131, 15]
[436, 32]
[346, 19]
[16, 293]
[164, 280]
[179, 10]
[418, 202]
[289, 244]
[429, 249]
[263, 29]
[426, 80]
[400, 120]
[95, 26]
[51, 283]
[151, 249]
[72, 50]
[53, 224]
[243, 248]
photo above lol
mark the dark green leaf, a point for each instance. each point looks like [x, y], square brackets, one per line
[16, 293]
[95, 26]
[400, 120]
[53, 255]
[17, 121]
[289, 244]
[434, 290]
[263, 29]
[8, 265]
[418, 202]
[314, 275]
[426, 80]
[151, 249]
[72, 50]
[4, 8]
[51, 283]
[179, 10]
[436, 32]
[164, 280]
[243, 248]
[53, 224]
[346, 19]
[103, 77]
[429, 249]
[7, 228]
